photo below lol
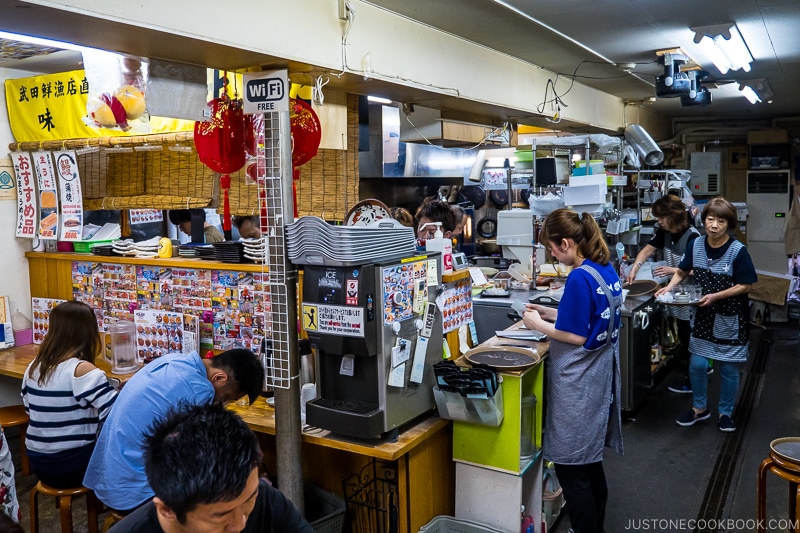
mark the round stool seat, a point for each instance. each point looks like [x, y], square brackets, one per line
[64, 499]
[13, 415]
[787, 448]
[52, 491]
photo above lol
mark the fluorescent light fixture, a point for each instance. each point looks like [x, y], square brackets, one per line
[750, 94]
[378, 100]
[42, 42]
[724, 46]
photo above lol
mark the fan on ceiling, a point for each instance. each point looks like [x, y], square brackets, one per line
[698, 95]
[674, 82]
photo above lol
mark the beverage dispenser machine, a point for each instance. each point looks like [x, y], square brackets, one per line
[377, 332]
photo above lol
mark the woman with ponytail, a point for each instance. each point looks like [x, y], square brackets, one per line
[582, 369]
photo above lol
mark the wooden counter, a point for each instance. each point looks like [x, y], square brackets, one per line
[422, 453]
[51, 273]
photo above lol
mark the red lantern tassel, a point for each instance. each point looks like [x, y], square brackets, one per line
[225, 183]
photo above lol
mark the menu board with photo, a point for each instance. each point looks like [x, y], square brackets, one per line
[158, 333]
[41, 308]
[455, 302]
[48, 200]
[154, 287]
[234, 307]
[119, 293]
[191, 289]
[87, 286]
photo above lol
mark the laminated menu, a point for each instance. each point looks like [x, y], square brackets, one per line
[158, 333]
[41, 308]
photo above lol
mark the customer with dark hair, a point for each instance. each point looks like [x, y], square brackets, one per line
[403, 216]
[202, 462]
[582, 368]
[672, 236]
[66, 397]
[429, 213]
[116, 470]
[461, 218]
[183, 219]
[248, 227]
[725, 272]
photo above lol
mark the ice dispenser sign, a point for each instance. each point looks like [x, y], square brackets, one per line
[334, 319]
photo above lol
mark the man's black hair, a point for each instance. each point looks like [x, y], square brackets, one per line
[198, 455]
[179, 216]
[245, 368]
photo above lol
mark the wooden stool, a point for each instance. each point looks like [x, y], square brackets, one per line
[15, 415]
[112, 518]
[784, 462]
[64, 501]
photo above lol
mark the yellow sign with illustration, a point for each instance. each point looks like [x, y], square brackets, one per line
[53, 107]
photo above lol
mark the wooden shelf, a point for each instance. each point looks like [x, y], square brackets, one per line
[180, 262]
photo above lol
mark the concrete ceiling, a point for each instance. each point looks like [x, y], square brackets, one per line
[573, 38]
[588, 40]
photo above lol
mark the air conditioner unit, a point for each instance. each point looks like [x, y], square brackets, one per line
[705, 168]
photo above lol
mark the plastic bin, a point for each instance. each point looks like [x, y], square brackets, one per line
[448, 524]
[485, 411]
[85, 247]
[324, 511]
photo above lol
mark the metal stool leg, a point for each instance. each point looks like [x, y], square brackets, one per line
[761, 495]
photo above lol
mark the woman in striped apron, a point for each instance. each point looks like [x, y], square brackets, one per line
[725, 271]
[672, 236]
[582, 367]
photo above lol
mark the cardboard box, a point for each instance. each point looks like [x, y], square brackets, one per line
[774, 136]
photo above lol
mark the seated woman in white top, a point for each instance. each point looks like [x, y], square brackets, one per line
[66, 396]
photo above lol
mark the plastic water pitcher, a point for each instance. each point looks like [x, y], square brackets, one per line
[527, 427]
[123, 347]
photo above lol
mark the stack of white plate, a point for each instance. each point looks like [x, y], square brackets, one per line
[312, 241]
[144, 249]
[255, 250]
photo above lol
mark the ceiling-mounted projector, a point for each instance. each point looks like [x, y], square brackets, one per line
[673, 82]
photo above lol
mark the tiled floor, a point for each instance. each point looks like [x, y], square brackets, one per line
[674, 478]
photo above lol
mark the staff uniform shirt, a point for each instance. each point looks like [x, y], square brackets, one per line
[674, 246]
[720, 330]
[66, 412]
[273, 513]
[583, 392]
[583, 310]
[116, 469]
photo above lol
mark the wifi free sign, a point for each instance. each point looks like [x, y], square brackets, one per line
[266, 92]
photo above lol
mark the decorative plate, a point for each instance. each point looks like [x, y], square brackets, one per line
[366, 212]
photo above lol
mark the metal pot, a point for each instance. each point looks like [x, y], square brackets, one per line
[489, 247]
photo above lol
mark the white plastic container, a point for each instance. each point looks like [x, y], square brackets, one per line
[445, 246]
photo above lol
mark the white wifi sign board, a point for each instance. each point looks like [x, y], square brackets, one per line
[266, 92]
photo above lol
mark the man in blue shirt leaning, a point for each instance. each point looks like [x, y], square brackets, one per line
[116, 471]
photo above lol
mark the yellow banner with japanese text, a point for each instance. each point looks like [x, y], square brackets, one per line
[52, 107]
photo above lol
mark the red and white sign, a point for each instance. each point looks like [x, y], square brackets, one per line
[71, 196]
[26, 195]
[351, 292]
[48, 199]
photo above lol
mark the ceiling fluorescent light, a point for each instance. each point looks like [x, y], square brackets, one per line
[42, 42]
[750, 94]
[724, 46]
[378, 100]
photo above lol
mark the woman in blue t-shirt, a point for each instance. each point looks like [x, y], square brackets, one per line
[582, 368]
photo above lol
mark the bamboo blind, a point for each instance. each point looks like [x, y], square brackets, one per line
[170, 178]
